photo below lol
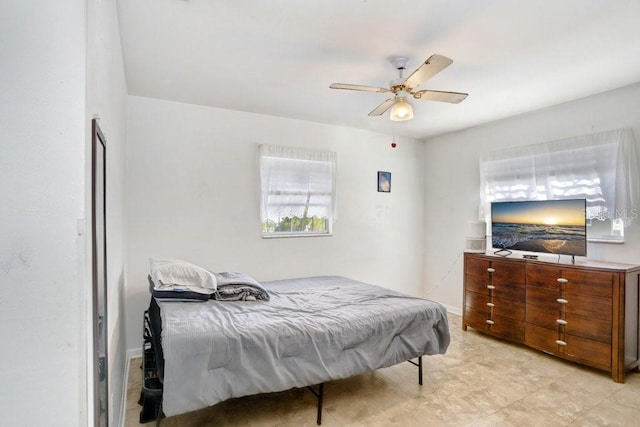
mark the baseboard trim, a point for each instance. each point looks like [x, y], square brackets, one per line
[453, 310]
[131, 354]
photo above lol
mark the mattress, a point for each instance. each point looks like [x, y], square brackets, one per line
[312, 330]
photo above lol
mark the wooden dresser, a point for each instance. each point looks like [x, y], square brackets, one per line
[586, 313]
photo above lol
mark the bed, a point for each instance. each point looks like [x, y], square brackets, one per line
[309, 331]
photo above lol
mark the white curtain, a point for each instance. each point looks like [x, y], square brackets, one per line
[601, 168]
[297, 181]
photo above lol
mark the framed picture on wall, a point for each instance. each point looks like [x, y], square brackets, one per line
[384, 182]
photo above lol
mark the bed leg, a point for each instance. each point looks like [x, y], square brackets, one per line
[419, 365]
[320, 394]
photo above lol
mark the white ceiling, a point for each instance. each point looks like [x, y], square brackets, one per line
[278, 57]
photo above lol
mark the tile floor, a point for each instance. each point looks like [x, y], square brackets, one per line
[481, 381]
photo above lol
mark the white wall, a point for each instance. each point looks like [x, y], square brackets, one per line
[193, 189]
[47, 101]
[452, 180]
[107, 99]
[42, 179]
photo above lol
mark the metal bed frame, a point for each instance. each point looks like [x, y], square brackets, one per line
[151, 393]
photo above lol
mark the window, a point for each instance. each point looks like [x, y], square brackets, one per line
[601, 168]
[298, 188]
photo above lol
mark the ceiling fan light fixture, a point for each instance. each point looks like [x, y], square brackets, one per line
[401, 111]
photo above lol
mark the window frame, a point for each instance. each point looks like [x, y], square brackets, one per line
[292, 172]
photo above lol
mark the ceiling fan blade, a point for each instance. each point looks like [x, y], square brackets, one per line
[432, 66]
[436, 95]
[358, 87]
[384, 106]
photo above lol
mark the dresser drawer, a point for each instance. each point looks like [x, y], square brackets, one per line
[545, 298]
[585, 282]
[588, 306]
[504, 290]
[502, 271]
[476, 283]
[593, 283]
[476, 267]
[501, 307]
[587, 351]
[502, 327]
[541, 338]
[580, 304]
[543, 275]
[590, 328]
[508, 272]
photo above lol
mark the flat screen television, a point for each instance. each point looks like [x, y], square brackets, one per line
[546, 226]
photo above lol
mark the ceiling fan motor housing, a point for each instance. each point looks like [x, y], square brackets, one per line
[400, 64]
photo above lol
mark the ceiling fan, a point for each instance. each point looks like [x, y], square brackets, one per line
[401, 110]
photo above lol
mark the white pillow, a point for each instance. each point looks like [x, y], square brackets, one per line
[173, 273]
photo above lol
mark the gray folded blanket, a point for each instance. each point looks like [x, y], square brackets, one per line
[234, 286]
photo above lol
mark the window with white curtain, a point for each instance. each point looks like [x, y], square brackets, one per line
[298, 191]
[601, 168]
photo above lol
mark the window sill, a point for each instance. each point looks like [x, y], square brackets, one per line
[605, 240]
[290, 235]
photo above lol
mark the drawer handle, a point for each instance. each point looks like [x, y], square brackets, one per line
[562, 281]
[561, 343]
[561, 321]
[562, 301]
[491, 270]
[490, 322]
[491, 287]
[490, 304]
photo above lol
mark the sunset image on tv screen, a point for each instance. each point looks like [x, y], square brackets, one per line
[550, 226]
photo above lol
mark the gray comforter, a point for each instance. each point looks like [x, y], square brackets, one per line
[311, 330]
